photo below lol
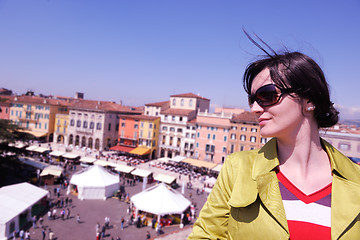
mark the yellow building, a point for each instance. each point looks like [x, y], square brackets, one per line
[61, 126]
[149, 134]
[37, 115]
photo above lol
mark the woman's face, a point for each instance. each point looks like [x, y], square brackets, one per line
[281, 120]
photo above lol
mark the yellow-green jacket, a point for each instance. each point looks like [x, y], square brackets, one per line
[246, 203]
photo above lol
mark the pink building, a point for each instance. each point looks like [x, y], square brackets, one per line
[212, 136]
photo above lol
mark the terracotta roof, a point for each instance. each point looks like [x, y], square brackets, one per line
[158, 104]
[103, 106]
[40, 100]
[176, 111]
[140, 117]
[246, 117]
[189, 95]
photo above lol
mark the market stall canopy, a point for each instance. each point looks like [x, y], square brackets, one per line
[88, 160]
[57, 153]
[140, 151]
[70, 155]
[163, 159]
[105, 163]
[210, 181]
[20, 145]
[52, 170]
[217, 168]
[15, 199]
[41, 150]
[33, 163]
[165, 178]
[124, 168]
[31, 148]
[35, 134]
[141, 172]
[160, 200]
[199, 163]
[177, 159]
[122, 148]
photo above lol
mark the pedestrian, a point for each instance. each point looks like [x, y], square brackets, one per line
[148, 236]
[70, 202]
[14, 235]
[97, 227]
[103, 229]
[41, 220]
[63, 214]
[78, 218]
[34, 221]
[107, 221]
[43, 233]
[122, 223]
[54, 213]
[51, 235]
[21, 234]
[27, 235]
[68, 213]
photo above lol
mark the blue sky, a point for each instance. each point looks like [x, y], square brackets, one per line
[143, 51]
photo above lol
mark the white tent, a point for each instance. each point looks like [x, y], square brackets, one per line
[16, 200]
[160, 200]
[94, 182]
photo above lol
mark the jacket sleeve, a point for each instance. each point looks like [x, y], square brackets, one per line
[213, 218]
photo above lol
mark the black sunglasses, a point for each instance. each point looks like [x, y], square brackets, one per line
[267, 95]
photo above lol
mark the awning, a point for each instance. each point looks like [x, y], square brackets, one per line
[41, 149]
[31, 148]
[88, 160]
[32, 162]
[52, 170]
[141, 173]
[163, 159]
[20, 145]
[105, 163]
[124, 168]
[199, 163]
[165, 178]
[141, 151]
[177, 159]
[121, 148]
[217, 168]
[70, 156]
[57, 153]
[36, 134]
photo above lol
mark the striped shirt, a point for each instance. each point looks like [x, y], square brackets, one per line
[308, 216]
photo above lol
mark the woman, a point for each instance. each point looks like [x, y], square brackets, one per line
[297, 186]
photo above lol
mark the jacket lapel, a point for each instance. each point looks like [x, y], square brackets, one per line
[345, 205]
[268, 184]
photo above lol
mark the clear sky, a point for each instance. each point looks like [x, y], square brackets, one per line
[143, 51]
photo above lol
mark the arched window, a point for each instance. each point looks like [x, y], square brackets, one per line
[174, 102]
[77, 140]
[98, 126]
[97, 144]
[72, 122]
[71, 139]
[190, 103]
[85, 124]
[83, 141]
[182, 102]
[92, 125]
[90, 143]
[78, 123]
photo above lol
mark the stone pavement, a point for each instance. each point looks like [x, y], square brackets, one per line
[95, 211]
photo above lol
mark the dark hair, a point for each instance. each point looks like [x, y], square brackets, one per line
[299, 74]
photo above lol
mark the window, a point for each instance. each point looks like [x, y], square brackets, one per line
[198, 134]
[141, 134]
[92, 124]
[263, 140]
[179, 130]
[142, 124]
[150, 125]
[214, 136]
[233, 136]
[225, 138]
[164, 128]
[173, 118]
[244, 129]
[182, 102]
[233, 127]
[180, 119]
[253, 129]
[109, 127]
[174, 102]
[197, 145]
[232, 148]
[190, 103]
[85, 124]
[166, 117]
[252, 139]
[209, 136]
[45, 125]
[193, 136]
[78, 123]
[72, 122]
[187, 135]
[224, 149]
[242, 148]
[344, 146]
[136, 126]
[172, 129]
[135, 135]
[122, 124]
[98, 126]
[243, 138]
[29, 107]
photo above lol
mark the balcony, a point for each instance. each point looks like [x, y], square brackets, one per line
[209, 152]
[84, 130]
[174, 148]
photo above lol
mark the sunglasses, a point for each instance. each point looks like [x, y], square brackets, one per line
[267, 95]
